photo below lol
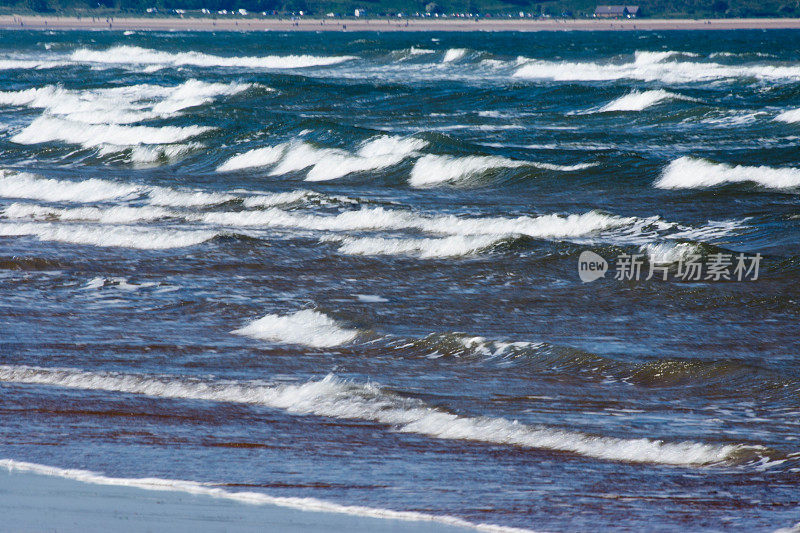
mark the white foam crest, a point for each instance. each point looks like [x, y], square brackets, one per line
[454, 246]
[381, 219]
[249, 498]
[454, 54]
[638, 101]
[669, 252]
[259, 157]
[143, 154]
[714, 229]
[28, 186]
[489, 348]
[193, 93]
[334, 398]
[28, 64]
[291, 197]
[108, 215]
[650, 67]
[327, 163]
[790, 116]
[377, 153]
[307, 327]
[134, 55]
[120, 105]
[108, 236]
[185, 198]
[47, 129]
[31, 187]
[689, 173]
[431, 170]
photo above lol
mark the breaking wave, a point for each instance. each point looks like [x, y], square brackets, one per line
[307, 327]
[335, 398]
[431, 169]
[135, 55]
[650, 66]
[638, 101]
[30, 187]
[382, 219]
[109, 215]
[120, 105]
[454, 54]
[454, 246]
[107, 236]
[328, 163]
[690, 173]
[46, 129]
[790, 116]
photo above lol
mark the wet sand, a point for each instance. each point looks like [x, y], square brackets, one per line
[254, 24]
[33, 502]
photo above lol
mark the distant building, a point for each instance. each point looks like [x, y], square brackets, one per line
[616, 12]
[360, 13]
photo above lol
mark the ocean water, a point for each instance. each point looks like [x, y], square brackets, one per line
[345, 267]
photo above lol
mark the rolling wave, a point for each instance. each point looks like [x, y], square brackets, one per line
[334, 398]
[120, 105]
[639, 101]
[426, 248]
[31, 187]
[690, 173]
[327, 163]
[431, 170]
[108, 236]
[135, 55]
[307, 327]
[650, 66]
[46, 129]
[790, 116]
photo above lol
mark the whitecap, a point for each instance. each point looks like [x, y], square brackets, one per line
[638, 101]
[135, 55]
[307, 327]
[107, 236]
[334, 398]
[688, 173]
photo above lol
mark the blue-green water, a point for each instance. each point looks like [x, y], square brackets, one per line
[345, 266]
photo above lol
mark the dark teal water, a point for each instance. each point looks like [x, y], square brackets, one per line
[345, 266]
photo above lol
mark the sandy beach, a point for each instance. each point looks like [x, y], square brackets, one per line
[382, 25]
[39, 498]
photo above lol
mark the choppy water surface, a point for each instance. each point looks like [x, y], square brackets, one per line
[345, 267]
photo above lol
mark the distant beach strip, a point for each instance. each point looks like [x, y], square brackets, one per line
[384, 24]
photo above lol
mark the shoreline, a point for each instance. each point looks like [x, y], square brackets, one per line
[26, 22]
[36, 497]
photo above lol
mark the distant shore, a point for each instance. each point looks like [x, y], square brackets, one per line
[24, 22]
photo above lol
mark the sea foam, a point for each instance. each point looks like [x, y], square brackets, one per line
[457, 245]
[107, 236]
[638, 101]
[328, 163]
[47, 129]
[790, 116]
[143, 56]
[688, 173]
[307, 327]
[650, 66]
[31, 187]
[432, 169]
[334, 398]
